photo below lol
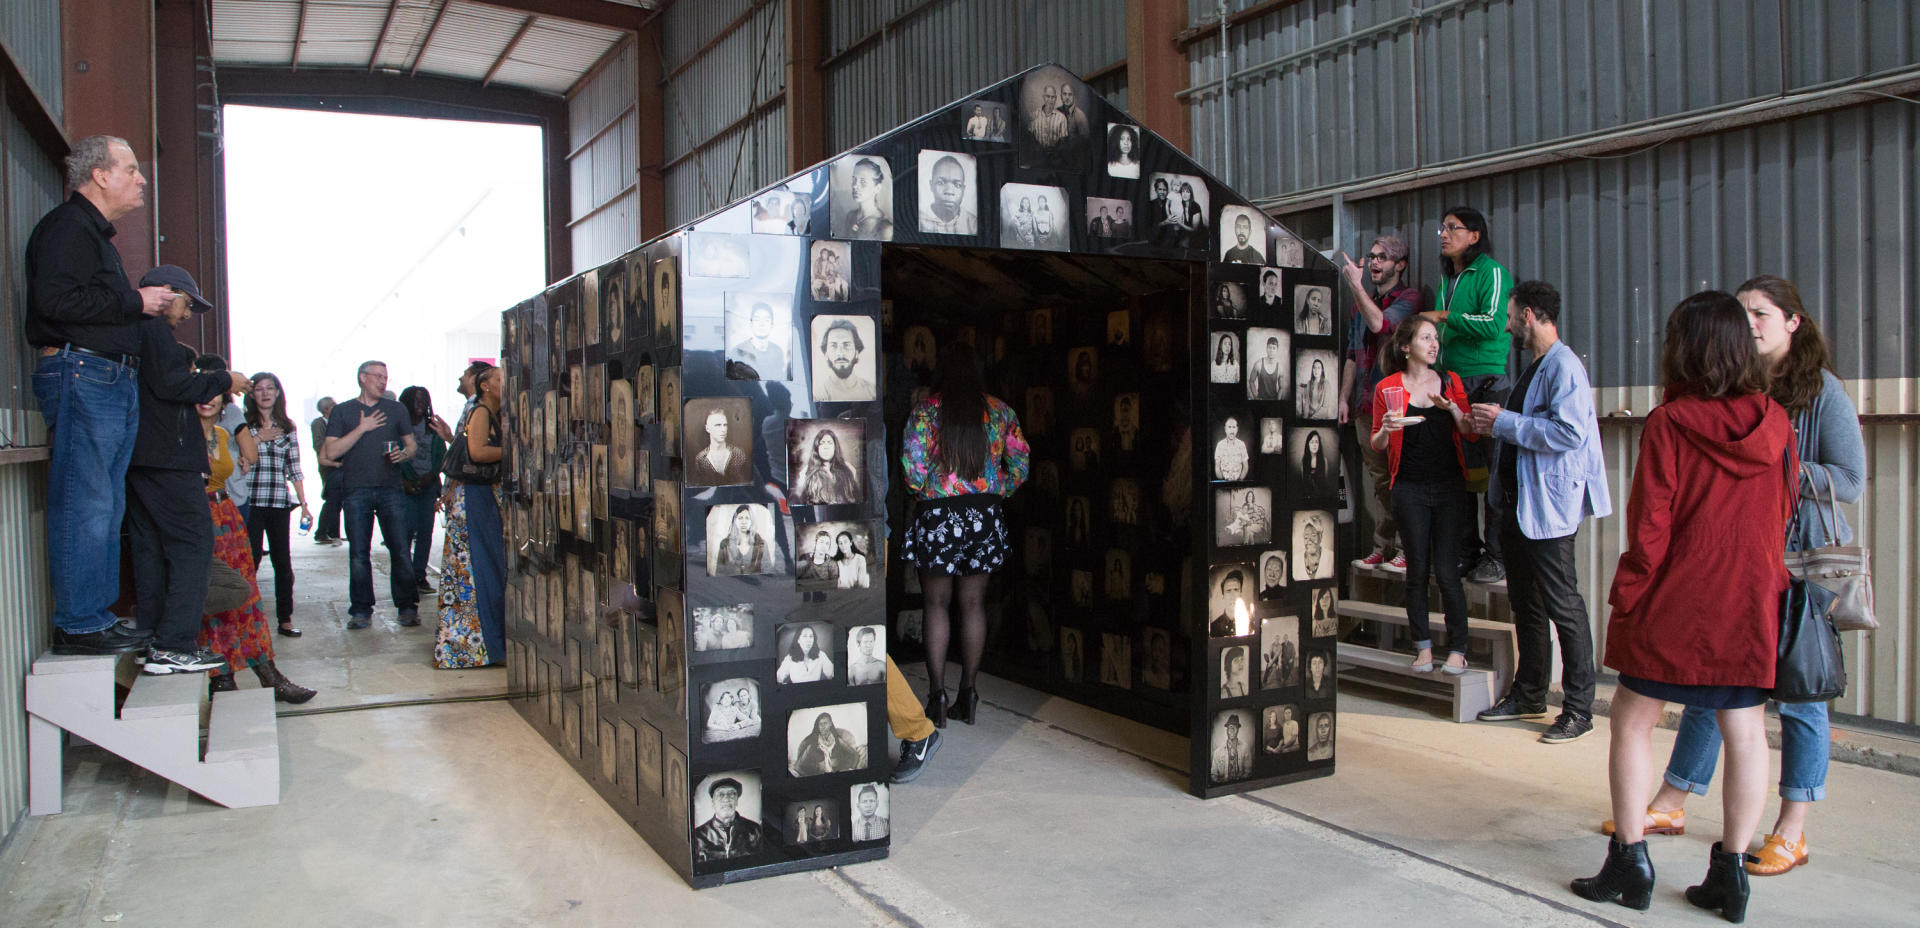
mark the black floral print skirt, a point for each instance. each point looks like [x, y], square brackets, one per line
[958, 535]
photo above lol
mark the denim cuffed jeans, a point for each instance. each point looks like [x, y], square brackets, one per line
[1805, 742]
[361, 506]
[92, 408]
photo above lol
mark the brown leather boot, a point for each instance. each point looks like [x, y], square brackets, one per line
[284, 690]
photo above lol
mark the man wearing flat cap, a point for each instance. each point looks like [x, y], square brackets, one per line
[1233, 760]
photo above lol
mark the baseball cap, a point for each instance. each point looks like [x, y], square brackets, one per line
[176, 277]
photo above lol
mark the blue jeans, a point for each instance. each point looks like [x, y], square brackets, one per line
[1805, 743]
[92, 408]
[420, 529]
[361, 505]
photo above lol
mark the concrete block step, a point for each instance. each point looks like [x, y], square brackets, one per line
[165, 695]
[1469, 692]
[50, 663]
[242, 727]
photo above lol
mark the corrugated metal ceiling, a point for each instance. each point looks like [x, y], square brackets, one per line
[551, 57]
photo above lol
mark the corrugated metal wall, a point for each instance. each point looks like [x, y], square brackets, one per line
[31, 31]
[603, 163]
[725, 106]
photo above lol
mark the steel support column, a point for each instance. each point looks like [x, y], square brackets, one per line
[806, 85]
[1157, 69]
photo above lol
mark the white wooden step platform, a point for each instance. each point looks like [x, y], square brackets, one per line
[1499, 637]
[1469, 693]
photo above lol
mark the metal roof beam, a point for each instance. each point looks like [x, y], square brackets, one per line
[386, 25]
[592, 12]
[421, 55]
[507, 52]
[299, 34]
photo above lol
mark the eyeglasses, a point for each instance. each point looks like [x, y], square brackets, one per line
[1450, 227]
[1377, 256]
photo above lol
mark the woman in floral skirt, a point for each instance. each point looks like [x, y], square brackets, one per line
[473, 561]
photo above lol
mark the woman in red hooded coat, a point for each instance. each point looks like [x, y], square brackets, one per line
[1696, 597]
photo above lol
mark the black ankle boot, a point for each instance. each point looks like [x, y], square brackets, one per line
[965, 703]
[1725, 887]
[937, 708]
[284, 690]
[221, 682]
[1626, 878]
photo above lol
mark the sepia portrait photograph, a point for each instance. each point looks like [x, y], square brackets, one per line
[1279, 652]
[1232, 746]
[1156, 670]
[1230, 600]
[587, 306]
[1312, 310]
[1116, 660]
[1243, 516]
[1123, 502]
[759, 336]
[1273, 574]
[1083, 368]
[1326, 622]
[666, 302]
[722, 628]
[870, 812]
[1056, 133]
[1320, 736]
[860, 189]
[1279, 730]
[620, 425]
[1313, 465]
[812, 821]
[1081, 584]
[1077, 521]
[866, 655]
[648, 744]
[919, 350]
[827, 739]
[1312, 545]
[1231, 459]
[1233, 672]
[740, 540]
[1084, 450]
[1039, 628]
[719, 441]
[1273, 436]
[1118, 577]
[644, 381]
[599, 467]
[613, 304]
[830, 271]
[730, 710]
[806, 652]
[716, 254]
[1177, 212]
[825, 463]
[1243, 235]
[983, 121]
[670, 412]
[843, 359]
[1319, 675]
[1033, 216]
[673, 770]
[726, 812]
[1160, 342]
[639, 308]
[1315, 379]
[1038, 550]
[781, 211]
[1123, 150]
[672, 652]
[1040, 327]
[1289, 251]
[1072, 654]
[1126, 419]
[949, 196]
[833, 556]
[1229, 300]
[1109, 218]
[1267, 371]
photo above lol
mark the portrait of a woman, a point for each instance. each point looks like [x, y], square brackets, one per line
[1226, 359]
[804, 660]
[1316, 473]
[827, 749]
[741, 550]
[852, 563]
[825, 476]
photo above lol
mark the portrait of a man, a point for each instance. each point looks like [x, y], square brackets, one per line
[1279, 652]
[1232, 754]
[830, 268]
[843, 365]
[759, 333]
[1231, 603]
[1109, 218]
[1267, 374]
[1320, 742]
[1246, 238]
[719, 441]
[1273, 574]
[1280, 730]
[670, 412]
[1126, 419]
[1270, 299]
[728, 806]
[1157, 672]
[866, 655]
[983, 121]
[666, 302]
[1055, 131]
[948, 194]
[869, 812]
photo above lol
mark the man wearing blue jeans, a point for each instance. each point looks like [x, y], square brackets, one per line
[83, 319]
[369, 436]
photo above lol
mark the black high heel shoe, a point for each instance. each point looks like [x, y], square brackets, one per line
[966, 705]
[1725, 887]
[1626, 878]
[937, 708]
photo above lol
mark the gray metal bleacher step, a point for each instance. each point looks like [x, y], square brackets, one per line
[164, 695]
[76, 663]
[1398, 615]
[242, 727]
[1469, 692]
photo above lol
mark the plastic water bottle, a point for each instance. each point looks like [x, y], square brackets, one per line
[306, 525]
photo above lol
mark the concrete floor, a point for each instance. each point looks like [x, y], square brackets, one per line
[1046, 813]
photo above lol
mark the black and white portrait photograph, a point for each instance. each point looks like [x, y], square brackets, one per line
[1156, 669]
[647, 747]
[1078, 524]
[613, 304]
[1033, 216]
[644, 381]
[1160, 342]
[1325, 622]
[639, 307]
[1126, 419]
[588, 307]
[811, 821]
[918, 348]
[1313, 463]
[860, 190]
[666, 302]
[1083, 368]
[1312, 310]
[1118, 576]
[949, 196]
[1312, 545]
[726, 807]
[833, 556]
[1037, 418]
[1123, 501]
[825, 462]
[666, 520]
[870, 812]
[912, 623]
[1315, 379]
[1109, 218]
[1289, 251]
[1231, 459]
[1080, 584]
[781, 211]
[1270, 299]
[866, 655]
[730, 710]
[600, 470]
[1038, 551]
[984, 121]
[719, 441]
[1243, 235]
[1056, 131]
[1040, 327]
[1267, 370]
[1230, 600]
[1232, 746]
[843, 359]
[1243, 516]
[806, 652]
[673, 770]
[1273, 436]
[1119, 328]
[670, 412]
[716, 254]
[1233, 672]
[1229, 300]
[1123, 150]
[621, 561]
[827, 739]
[723, 628]
[1225, 364]
[1178, 210]
[830, 270]
[1084, 449]
[1072, 655]
[759, 336]
[1116, 660]
[620, 425]
[1319, 675]
[1320, 736]
[740, 540]
[1279, 730]
[1279, 652]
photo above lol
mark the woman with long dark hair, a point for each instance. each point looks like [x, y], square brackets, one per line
[420, 477]
[1471, 310]
[1316, 472]
[804, 661]
[473, 560]
[1696, 596]
[963, 453]
[826, 477]
[272, 441]
[1833, 459]
[852, 563]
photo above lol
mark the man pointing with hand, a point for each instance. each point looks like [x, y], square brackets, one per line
[370, 435]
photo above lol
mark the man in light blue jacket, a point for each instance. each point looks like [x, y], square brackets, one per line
[1552, 477]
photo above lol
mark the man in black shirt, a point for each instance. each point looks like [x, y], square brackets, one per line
[370, 435]
[83, 319]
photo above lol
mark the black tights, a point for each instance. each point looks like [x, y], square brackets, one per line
[973, 625]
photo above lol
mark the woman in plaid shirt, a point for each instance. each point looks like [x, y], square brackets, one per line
[271, 440]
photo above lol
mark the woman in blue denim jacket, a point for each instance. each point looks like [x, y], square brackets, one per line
[1833, 461]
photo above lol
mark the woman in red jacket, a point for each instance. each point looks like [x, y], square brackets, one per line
[1419, 421]
[1696, 597]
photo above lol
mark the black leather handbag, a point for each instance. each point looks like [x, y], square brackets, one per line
[1810, 666]
[458, 466]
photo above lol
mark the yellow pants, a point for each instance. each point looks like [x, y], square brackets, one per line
[904, 714]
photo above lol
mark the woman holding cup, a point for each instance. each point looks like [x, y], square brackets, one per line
[1420, 421]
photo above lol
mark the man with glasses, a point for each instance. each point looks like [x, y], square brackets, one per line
[1382, 299]
[370, 435]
